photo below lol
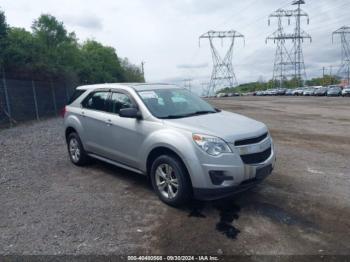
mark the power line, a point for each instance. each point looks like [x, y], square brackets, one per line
[248, 24]
[236, 12]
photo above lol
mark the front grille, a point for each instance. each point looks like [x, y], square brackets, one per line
[256, 157]
[253, 140]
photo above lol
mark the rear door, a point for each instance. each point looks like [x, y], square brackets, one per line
[94, 119]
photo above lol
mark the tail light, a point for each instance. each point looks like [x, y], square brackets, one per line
[63, 112]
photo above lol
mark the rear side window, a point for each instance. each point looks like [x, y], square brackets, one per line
[97, 101]
[77, 93]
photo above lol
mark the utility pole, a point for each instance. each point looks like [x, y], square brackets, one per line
[223, 74]
[188, 84]
[344, 33]
[323, 80]
[205, 88]
[330, 73]
[298, 38]
[143, 68]
[283, 64]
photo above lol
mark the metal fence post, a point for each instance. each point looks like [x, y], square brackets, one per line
[67, 94]
[53, 97]
[35, 101]
[7, 97]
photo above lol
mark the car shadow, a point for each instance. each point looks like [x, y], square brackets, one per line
[228, 208]
[252, 202]
[130, 177]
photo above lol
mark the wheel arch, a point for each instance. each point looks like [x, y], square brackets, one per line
[164, 150]
[69, 130]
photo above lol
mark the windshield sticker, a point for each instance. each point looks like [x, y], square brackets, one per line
[148, 94]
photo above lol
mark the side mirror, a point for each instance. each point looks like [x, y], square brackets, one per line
[130, 113]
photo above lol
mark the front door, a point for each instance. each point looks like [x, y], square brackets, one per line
[125, 134]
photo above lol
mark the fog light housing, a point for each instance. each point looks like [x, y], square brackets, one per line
[218, 177]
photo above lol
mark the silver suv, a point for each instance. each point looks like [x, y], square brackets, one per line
[187, 147]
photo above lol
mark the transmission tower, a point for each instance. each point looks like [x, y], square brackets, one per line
[298, 38]
[223, 74]
[283, 65]
[344, 71]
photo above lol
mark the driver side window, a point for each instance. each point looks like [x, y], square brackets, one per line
[97, 101]
[120, 101]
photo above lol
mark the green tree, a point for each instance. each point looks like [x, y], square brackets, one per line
[132, 73]
[100, 64]
[50, 31]
[56, 49]
[325, 81]
[19, 50]
[50, 51]
[3, 36]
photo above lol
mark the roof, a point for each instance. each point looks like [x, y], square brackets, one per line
[135, 86]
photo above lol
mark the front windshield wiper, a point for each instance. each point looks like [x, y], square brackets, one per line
[202, 112]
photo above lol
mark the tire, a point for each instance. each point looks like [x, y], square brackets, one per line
[76, 150]
[163, 180]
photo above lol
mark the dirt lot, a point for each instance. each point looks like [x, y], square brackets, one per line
[49, 206]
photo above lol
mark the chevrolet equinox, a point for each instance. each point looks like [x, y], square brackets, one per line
[187, 147]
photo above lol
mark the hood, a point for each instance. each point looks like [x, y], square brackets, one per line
[226, 125]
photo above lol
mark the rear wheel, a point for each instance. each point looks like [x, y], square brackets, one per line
[170, 180]
[76, 150]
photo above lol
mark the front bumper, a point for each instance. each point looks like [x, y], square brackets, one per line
[217, 193]
[242, 176]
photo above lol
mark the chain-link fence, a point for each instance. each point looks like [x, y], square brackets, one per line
[23, 100]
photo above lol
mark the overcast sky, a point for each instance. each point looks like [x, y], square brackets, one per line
[164, 33]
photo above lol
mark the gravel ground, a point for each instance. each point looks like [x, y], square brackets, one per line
[49, 206]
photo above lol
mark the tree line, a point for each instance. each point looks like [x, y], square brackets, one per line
[293, 83]
[49, 52]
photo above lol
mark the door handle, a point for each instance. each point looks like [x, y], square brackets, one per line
[109, 122]
[83, 113]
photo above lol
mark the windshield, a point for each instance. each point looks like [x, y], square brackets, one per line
[174, 103]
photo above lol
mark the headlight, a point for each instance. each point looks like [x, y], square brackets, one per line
[212, 145]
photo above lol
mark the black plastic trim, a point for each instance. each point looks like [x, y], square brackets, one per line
[256, 158]
[249, 141]
[222, 192]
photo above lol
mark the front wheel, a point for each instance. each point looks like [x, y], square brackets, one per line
[170, 180]
[76, 150]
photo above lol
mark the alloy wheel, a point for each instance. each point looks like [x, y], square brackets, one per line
[166, 181]
[74, 150]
